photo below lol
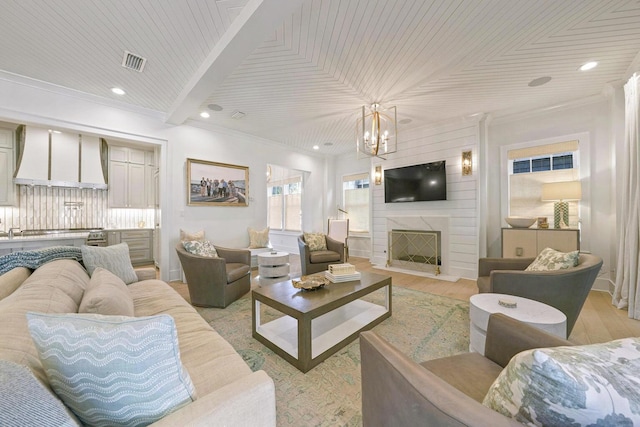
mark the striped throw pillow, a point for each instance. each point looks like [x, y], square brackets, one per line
[113, 370]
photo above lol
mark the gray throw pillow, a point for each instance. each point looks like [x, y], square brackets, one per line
[114, 258]
[25, 402]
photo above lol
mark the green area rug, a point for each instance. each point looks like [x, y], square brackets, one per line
[422, 325]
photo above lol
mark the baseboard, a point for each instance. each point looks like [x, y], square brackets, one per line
[603, 284]
[444, 277]
[175, 275]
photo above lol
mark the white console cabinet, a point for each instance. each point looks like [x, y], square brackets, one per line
[529, 242]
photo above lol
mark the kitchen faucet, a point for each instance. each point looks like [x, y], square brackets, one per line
[11, 231]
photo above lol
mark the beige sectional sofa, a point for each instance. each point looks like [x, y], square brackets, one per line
[229, 393]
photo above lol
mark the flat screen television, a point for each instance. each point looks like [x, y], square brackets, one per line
[417, 183]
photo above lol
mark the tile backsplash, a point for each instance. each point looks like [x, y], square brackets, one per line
[42, 207]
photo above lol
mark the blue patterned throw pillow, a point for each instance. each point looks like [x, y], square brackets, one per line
[594, 385]
[113, 370]
[114, 258]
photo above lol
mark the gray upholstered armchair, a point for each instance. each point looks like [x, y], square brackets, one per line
[216, 282]
[316, 261]
[565, 289]
[398, 391]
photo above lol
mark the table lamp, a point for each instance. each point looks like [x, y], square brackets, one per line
[561, 193]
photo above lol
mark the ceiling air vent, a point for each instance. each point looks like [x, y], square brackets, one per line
[133, 62]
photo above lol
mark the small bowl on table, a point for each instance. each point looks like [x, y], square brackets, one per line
[520, 221]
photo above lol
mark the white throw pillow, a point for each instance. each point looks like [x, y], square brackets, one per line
[113, 370]
[185, 235]
[550, 259]
[258, 238]
[580, 385]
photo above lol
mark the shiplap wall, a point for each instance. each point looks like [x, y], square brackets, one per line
[428, 145]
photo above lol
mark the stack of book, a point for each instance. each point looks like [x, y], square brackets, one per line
[342, 273]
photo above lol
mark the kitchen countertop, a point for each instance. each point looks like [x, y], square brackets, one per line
[55, 236]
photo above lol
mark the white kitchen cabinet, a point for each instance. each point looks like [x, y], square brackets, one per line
[529, 242]
[129, 179]
[7, 167]
[113, 237]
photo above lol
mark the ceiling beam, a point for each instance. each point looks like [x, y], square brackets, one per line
[252, 26]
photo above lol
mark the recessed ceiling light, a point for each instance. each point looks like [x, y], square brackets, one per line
[214, 107]
[539, 81]
[589, 66]
[117, 91]
[328, 144]
[315, 147]
[204, 115]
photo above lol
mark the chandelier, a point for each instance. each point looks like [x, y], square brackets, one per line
[376, 131]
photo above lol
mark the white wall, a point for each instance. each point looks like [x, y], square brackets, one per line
[592, 119]
[227, 225]
[25, 103]
[429, 144]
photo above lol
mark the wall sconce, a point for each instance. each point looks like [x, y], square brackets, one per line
[467, 163]
[377, 176]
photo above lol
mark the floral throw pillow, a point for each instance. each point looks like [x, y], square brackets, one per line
[258, 238]
[550, 259]
[201, 248]
[571, 386]
[316, 241]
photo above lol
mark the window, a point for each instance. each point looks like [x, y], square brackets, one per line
[355, 196]
[284, 199]
[540, 164]
[530, 167]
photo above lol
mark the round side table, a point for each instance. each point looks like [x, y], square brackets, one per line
[273, 267]
[534, 313]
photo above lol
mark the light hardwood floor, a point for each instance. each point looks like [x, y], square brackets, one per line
[599, 320]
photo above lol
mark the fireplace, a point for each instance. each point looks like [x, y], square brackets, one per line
[419, 261]
[417, 250]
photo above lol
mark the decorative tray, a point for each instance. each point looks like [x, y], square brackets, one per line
[310, 283]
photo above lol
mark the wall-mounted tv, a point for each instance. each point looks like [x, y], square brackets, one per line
[417, 183]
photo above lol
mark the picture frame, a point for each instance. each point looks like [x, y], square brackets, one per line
[216, 184]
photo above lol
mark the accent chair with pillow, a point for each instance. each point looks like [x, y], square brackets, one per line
[526, 377]
[216, 276]
[318, 251]
[565, 289]
[398, 391]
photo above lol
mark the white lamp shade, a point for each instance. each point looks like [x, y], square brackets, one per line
[566, 190]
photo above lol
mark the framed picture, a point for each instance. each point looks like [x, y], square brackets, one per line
[216, 184]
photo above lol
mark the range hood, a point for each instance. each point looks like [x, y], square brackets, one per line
[60, 159]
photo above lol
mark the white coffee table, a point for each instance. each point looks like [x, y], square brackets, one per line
[532, 312]
[273, 267]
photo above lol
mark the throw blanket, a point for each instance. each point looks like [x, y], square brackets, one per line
[35, 258]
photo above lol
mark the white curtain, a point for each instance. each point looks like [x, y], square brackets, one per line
[627, 290]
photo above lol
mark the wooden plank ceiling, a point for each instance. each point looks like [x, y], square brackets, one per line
[300, 70]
